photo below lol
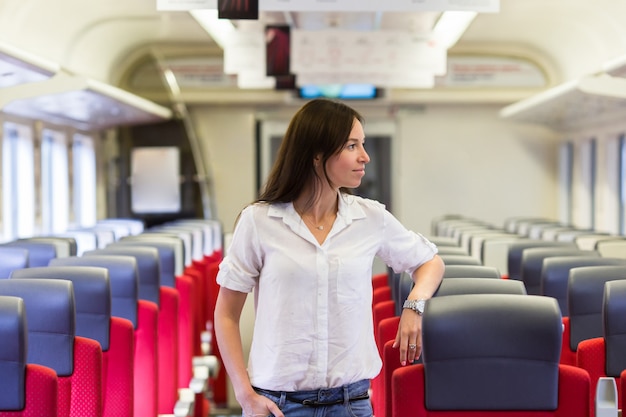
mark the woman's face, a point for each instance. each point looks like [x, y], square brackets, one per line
[347, 168]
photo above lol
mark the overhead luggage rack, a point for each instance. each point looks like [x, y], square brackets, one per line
[18, 67]
[588, 101]
[36, 89]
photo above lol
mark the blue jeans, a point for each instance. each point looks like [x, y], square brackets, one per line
[347, 401]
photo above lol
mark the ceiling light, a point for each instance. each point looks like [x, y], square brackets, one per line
[219, 29]
[451, 26]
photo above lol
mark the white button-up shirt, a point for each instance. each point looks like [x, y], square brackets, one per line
[313, 326]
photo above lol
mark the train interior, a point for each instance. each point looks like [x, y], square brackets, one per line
[154, 122]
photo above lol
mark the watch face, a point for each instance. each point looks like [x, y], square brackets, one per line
[419, 306]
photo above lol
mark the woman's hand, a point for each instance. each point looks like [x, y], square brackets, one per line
[259, 406]
[409, 336]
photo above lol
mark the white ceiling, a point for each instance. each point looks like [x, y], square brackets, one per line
[91, 37]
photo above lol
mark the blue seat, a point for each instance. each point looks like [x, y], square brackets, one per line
[92, 291]
[555, 274]
[148, 268]
[166, 253]
[124, 278]
[491, 354]
[26, 390]
[77, 361]
[585, 295]
[12, 258]
[459, 260]
[166, 299]
[532, 264]
[471, 271]
[480, 286]
[39, 253]
[516, 249]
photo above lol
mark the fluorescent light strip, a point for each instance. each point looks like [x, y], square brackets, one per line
[451, 26]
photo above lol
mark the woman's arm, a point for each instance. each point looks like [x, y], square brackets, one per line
[427, 279]
[227, 315]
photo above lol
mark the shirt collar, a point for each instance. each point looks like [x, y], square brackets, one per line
[348, 211]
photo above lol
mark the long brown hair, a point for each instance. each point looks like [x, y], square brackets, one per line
[320, 128]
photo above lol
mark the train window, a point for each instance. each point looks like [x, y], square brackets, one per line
[84, 180]
[566, 162]
[18, 181]
[622, 184]
[54, 182]
[584, 178]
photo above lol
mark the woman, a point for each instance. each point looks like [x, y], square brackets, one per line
[306, 249]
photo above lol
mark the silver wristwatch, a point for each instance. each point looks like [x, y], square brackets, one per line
[415, 305]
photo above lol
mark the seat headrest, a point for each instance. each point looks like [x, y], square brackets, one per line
[516, 249]
[555, 275]
[614, 303]
[148, 269]
[39, 253]
[532, 264]
[12, 258]
[471, 271]
[13, 352]
[175, 242]
[480, 286]
[123, 279]
[92, 292]
[505, 344]
[51, 317]
[585, 292]
[167, 259]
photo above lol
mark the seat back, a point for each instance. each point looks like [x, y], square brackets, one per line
[175, 242]
[613, 248]
[505, 344]
[12, 258]
[167, 257]
[51, 317]
[39, 253]
[77, 361]
[471, 271]
[532, 264]
[452, 250]
[148, 269]
[585, 298]
[405, 284]
[92, 291]
[122, 277]
[516, 249]
[65, 245]
[92, 294]
[555, 274]
[26, 390]
[459, 260]
[13, 351]
[480, 286]
[614, 308]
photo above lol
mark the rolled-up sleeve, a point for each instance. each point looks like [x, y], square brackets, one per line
[404, 250]
[239, 270]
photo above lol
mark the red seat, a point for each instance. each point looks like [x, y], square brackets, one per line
[92, 291]
[76, 360]
[491, 355]
[142, 314]
[26, 390]
[606, 356]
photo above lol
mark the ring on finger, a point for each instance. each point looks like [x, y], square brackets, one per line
[412, 346]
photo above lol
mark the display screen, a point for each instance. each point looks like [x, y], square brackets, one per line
[340, 91]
